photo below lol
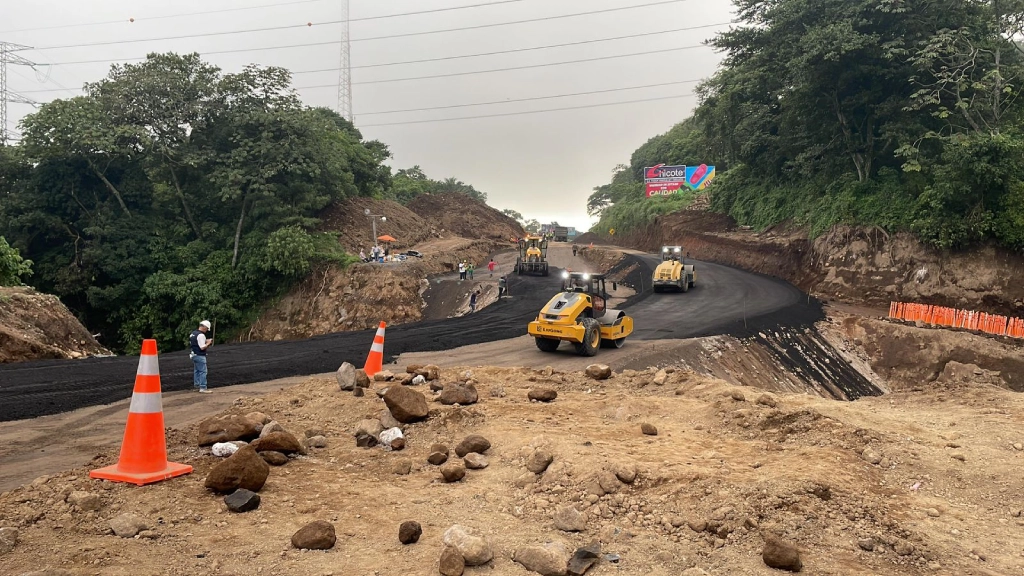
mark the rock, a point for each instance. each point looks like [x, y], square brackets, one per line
[279, 441]
[648, 429]
[406, 404]
[8, 540]
[475, 550]
[243, 469]
[436, 386]
[318, 535]
[453, 471]
[398, 443]
[317, 442]
[584, 559]
[409, 532]
[274, 458]
[84, 500]
[367, 432]
[407, 380]
[525, 479]
[608, 481]
[569, 519]
[461, 394]
[362, 379]
[548, 559]
[384, 376]
[542, 394]
[438, 447]
[780, 554]
[539, 461]
[365, 441]
[599, 371]
[626, 472]
[346, 375]
[696, 524]
[226, 429]
[867, 544]
[871, 455]
[904, 548]
[932, 512]
[418, 379]
[451, 562]
[127, 525]
[402, 467]
[242, 500]
[224, 449]
[430, 372]
[388, 421]
[258, 417]
[475, 461]
[270, 427]
[312, 432]
[497, 391]
[437, 458]
[737, 396]
[473, 443]
[660, 378]
[413, 368]
[767, 400]
[358, 392]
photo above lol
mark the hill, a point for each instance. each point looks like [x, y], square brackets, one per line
[37, 326]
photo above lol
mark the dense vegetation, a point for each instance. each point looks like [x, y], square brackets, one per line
[903, 114]
[172, 192]
[409, 183]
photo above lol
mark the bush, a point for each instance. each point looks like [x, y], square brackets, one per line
[13, 268]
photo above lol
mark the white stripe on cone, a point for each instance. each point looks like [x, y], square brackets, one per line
[148, 366]
[377, 347]
[146, 403]
[380, 331]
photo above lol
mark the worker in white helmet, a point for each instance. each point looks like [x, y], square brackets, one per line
[199, 343]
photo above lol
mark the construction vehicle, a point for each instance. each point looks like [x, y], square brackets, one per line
[673, 273]
[533, 256]
[560, 233]
[580, 315]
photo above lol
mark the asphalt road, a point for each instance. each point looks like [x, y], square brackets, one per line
[725, 301]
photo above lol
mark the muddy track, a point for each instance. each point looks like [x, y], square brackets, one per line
[726, 301]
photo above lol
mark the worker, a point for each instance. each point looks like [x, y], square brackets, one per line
[501, 287]
[462, 270]
[469, 270]
[490, 267]
[472, 300]
[574, 249]
[199, 344]
[362, 256]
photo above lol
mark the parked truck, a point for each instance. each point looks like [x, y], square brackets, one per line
[560, 234]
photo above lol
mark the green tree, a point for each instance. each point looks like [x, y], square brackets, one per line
[13, 268]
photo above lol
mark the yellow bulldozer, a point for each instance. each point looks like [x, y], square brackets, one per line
[533, 256]
[580, 315]
[673, 273]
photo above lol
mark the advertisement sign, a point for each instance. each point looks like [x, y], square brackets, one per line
[665, 180]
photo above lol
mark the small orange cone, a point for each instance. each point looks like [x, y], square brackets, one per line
[375, 361]
[144, 449]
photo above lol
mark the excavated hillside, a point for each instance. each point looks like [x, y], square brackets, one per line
[36, 326]
[859, 265]
[445, 228]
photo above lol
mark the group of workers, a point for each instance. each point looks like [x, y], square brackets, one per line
[377, 254]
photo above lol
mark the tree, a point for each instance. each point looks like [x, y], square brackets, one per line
[513, 214]
[13, 268]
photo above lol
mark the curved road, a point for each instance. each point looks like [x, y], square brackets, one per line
[725, 301]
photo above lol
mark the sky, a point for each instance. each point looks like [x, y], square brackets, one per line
[543, 165]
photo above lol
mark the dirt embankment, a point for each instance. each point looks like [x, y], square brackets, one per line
[908, 484]
[866, 266]
[36, 326]
[445, 228]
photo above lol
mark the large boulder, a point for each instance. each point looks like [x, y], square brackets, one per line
[472, 443]
[475, 550]
[780, 554]
[599, 371]
[8, 540]
[462, 394]
[281, 441]
[346, 375]
[227, 428]
[243, 469]
[548, 559]
[406, 404]
[318, 535]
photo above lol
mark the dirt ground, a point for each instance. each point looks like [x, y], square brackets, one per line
[925, 480]
[36, 326]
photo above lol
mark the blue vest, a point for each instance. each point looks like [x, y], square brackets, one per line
[194, 341]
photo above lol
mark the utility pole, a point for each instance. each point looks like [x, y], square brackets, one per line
[8, 56]
[345, 68]
[373, 217]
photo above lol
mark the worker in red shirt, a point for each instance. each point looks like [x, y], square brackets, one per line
[490, 267]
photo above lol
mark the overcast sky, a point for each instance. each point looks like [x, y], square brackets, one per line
[543, 165]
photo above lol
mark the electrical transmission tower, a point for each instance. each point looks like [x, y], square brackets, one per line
[8, 56]
[345, 73]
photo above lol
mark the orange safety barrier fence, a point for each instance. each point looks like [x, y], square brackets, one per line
[956, 318]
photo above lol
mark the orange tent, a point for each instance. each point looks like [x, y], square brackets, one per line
[386, 238]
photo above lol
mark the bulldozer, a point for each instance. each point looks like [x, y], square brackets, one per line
[533, 256]
[673, 273]
[580, 315]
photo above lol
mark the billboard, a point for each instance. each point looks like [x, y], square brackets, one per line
[665, 180]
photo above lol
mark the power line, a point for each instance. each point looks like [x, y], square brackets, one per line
[529, 111]
[205, 53]
[164, 17]
[532, 98]
[330, 22]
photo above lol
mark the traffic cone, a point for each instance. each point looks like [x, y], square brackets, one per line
[375, 361]
[143, 457]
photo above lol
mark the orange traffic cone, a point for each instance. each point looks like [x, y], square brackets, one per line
[375, 361]
[144, 449]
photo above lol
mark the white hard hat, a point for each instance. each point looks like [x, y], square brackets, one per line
[205, 323]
